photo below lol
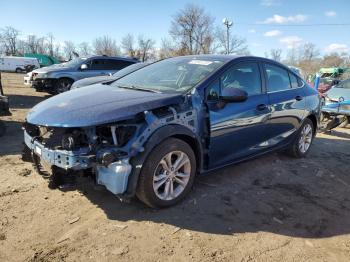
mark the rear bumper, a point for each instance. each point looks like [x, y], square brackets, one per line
[44, 84]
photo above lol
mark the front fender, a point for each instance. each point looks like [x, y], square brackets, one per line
[156, 138]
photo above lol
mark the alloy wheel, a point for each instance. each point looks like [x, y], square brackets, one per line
[305, 138]
[171, 175]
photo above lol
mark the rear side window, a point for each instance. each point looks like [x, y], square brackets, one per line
[245, 76]
[294, 81]
[117, 64]
[277, 78]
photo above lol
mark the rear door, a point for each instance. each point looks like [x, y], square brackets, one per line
[286, 100]
[237, 129]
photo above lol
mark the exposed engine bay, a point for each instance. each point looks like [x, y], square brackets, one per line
[105, 150]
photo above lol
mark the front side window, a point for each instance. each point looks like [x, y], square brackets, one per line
[277, 78]
[245, 76]
[98, 64]
[171, 75]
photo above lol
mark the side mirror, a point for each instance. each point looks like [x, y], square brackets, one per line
[233, 95]
[83, 67]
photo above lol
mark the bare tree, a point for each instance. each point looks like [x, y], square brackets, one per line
[50, 44]
[292, 57]
[308, 52]
[35, 44]
[85, 49]
[276, 54]
[106, 46]
[167, 49]
[69, 49]
[128, 45]
[238, 45]
[9, 40]
[145, 48]
[192, 29]
[333, 59]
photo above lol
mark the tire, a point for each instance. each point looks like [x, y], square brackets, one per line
[157, 179]
[18, 70]
[63, 85]
[296, 149]
[345, 122]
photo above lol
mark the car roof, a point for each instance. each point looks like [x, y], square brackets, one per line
[229, 58]
[131, 59]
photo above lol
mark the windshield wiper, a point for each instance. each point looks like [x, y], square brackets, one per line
[138, 88]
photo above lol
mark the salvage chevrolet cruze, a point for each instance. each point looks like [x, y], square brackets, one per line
[151, 132]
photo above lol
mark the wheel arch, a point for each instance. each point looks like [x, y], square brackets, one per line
[168, 131]
[313, 118]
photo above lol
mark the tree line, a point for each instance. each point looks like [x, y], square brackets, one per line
[192, 31]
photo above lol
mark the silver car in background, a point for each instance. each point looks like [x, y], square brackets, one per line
[59, 78]
[103, 79]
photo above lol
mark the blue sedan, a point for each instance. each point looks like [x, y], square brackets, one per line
[151, 132]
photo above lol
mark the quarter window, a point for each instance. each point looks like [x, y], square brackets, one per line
[245, 76]
[277, 78]
[294, 81]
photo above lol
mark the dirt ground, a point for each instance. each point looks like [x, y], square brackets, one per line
[272, 208]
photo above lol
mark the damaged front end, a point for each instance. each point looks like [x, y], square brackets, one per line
[105, 150]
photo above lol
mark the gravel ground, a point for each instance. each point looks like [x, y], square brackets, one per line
[272, 208]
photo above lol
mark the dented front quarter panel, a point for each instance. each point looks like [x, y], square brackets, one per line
[185, 114]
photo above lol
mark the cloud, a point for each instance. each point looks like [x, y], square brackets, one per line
[252, 31]
[279, 19]
[330, 13]
[291, 41]
[270, 2]
[338, 48]
[272, 33]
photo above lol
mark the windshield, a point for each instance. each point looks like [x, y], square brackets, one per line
[171, 75]
[72, 63]
[129, 69]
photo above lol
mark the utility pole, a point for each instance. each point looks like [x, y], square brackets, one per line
[228, 24]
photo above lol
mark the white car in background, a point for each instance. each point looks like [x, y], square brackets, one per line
[17, 64]
[28, 79]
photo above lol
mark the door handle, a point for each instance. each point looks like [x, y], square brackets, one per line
[261, 107]
[298, 98]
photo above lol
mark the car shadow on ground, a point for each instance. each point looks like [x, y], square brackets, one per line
[9, 142]
[275, 193]
[24, 101]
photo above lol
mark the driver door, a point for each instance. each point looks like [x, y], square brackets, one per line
[237, 129]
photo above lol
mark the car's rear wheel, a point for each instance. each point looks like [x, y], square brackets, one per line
[63, 85]
[18, 70]
[167, 174]
[303, 140]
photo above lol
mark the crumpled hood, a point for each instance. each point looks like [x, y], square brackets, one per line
[95, 105]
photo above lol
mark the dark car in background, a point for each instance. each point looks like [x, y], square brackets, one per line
[152, 131]
[59, 78]
[102, 79]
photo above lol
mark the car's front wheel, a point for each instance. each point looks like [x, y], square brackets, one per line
[303, 140]
[63, 85]
[167, 174]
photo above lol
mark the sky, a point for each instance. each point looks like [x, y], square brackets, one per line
[265, 24]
